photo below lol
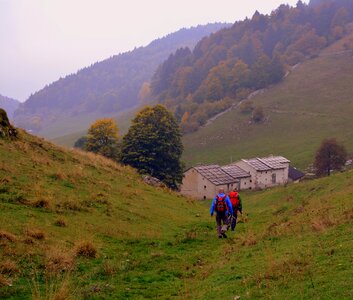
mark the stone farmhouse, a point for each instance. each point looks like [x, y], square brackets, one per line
[204, 181]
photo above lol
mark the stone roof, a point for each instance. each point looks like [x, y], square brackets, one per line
[257, 164]
[267, 163]
[215, 174]
[235, 171]
[295, 174]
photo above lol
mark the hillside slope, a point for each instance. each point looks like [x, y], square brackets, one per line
[312, 103]
[252, 54]
[52, 199]
[106, 87]
[10, 105]
[58, 207]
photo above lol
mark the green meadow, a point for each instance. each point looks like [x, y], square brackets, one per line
[312, 103]
[77, 226]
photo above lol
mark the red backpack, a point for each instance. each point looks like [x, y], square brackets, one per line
[221, 205]
[234, 198]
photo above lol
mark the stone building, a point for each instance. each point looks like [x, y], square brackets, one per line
[203, 182]
[266, 172]
[243, 177]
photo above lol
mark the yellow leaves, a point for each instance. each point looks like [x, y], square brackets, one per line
[106, 127]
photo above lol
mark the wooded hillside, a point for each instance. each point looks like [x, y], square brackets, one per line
[255, 53]
[109, 86]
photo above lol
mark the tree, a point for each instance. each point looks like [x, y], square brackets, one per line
[258, 115]
[153, 145]
[81, 142]
[102, 138]
[330, 156]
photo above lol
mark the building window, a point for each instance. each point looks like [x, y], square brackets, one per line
[250, 180]
[204, 187]
[273, 178]
[204, 197]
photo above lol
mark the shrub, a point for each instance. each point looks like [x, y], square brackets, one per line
[258, 115]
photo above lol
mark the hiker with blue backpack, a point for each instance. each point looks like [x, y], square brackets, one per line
[223, 207]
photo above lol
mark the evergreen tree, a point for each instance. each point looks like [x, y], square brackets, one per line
[102, 138]
[153, 145]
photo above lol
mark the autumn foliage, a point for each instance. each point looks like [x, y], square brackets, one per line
[250, 55]
[102, 138]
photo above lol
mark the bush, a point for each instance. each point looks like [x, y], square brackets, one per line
[258, 115]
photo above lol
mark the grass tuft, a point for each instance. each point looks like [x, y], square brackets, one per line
[7, 236]
[4, 281]
[58, 260]
[60, 222]
[42, 203]
[8, 267]
[35, 233]
[86, 249]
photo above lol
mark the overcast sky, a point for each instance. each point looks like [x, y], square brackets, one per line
[41, 40]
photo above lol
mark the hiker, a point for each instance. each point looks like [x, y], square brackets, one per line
[222, 206]
[236, 205]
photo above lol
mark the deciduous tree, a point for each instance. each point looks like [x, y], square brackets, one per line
[330, 156]
[153, 145]
[102, 138]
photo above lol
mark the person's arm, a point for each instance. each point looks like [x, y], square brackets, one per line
[212, 208]
[229, 204]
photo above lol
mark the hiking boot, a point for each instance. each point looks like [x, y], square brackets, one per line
[224, 235]
[220, 236]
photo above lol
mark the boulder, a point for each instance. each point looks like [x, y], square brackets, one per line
[6, 129]
[153, 181]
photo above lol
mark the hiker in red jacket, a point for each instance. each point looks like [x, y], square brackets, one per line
[222, 206]
[236, 205]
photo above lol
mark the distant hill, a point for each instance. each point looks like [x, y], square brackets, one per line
[77, 226]
[110, 86]
[313, 102]
[255, 53]
[10, 105]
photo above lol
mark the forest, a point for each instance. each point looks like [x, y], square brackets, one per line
[113, 85]
[227, 66]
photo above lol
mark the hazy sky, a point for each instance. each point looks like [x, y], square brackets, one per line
[42, 40]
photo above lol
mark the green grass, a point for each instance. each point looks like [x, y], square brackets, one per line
[314, 102]
[294, 243]
[67, 132]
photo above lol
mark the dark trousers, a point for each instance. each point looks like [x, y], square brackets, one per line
[234, 218]
[222, 222]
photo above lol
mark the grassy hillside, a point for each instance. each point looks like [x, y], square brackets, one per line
[52, 200]
[312, 103]
[123, 120]
[58, 207]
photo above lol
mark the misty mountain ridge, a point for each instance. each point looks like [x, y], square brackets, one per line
[106, 87]
[9, 104]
